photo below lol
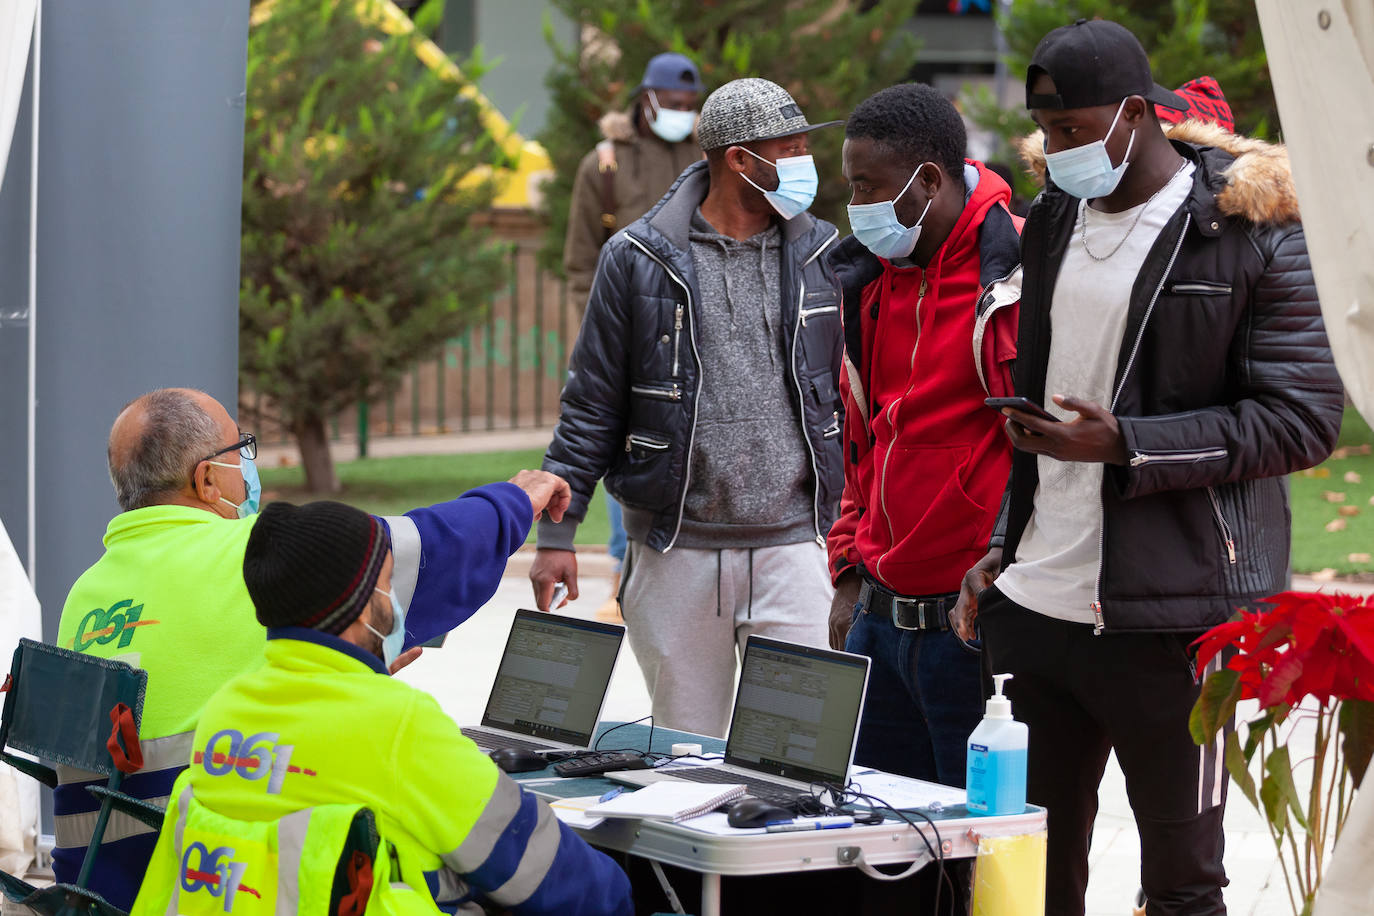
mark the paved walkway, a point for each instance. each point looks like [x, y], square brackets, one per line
[500, 440]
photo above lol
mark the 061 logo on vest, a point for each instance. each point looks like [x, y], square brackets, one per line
[215, 872]
[104, 625]
[254, 757]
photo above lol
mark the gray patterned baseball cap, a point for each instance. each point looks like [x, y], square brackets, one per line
[750, 109]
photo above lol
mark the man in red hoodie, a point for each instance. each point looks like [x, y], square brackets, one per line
[930, 309]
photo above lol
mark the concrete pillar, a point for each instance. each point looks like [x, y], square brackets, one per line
[139, 171]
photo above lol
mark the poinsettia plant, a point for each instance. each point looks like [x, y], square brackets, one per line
[1307, 657]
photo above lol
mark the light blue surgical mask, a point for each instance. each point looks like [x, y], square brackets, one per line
[252, 487]
[797, 183]
[670, 124]
[1086, 171]
[392, 642]
[877, 227]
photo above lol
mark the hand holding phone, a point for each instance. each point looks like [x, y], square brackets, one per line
[1025, 405]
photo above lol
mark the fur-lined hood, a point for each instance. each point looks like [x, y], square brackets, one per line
[618, 125]
[1259, 183]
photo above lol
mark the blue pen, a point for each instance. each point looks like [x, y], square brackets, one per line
[611, 794]
[812, 823]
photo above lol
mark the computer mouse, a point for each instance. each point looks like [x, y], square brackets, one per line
[518, 760]
[756, 812]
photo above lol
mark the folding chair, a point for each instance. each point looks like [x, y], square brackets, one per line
[83, 712]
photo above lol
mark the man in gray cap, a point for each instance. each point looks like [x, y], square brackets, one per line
[703, 388]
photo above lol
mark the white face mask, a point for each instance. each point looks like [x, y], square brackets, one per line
[1086, 171]
[877, 227]
[797, 184]
[670, 124]
[392, 642]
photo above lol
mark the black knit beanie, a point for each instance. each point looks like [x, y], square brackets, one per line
[314, 565]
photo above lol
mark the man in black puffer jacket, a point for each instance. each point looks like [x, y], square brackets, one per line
[1169, 311]
[703, 388]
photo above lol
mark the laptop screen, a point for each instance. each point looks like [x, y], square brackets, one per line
[797, 711]
[553, 676]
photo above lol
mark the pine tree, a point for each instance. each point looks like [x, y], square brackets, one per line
[1184, 38]
[362, 173]
[830, 54]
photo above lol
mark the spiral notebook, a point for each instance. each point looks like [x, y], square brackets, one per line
[669, 800]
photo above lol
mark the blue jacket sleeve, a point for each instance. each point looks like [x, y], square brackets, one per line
[533, 864]
[449, 557]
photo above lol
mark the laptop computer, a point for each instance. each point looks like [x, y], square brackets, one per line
[795, 722]
[550, 685]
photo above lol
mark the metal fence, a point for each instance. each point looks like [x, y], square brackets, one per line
[504, 372]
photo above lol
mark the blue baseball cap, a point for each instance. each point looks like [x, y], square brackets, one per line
[671, 71]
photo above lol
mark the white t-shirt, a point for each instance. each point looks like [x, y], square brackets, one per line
[1059, 556]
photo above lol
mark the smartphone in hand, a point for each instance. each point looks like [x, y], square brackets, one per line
[1025, 405]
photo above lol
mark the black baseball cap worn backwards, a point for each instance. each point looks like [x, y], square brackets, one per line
[1094, 62]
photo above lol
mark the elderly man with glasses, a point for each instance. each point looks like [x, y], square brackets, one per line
[168, 594]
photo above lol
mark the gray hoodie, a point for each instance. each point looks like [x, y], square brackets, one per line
[750, 474]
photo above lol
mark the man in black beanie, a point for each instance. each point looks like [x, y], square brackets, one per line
[339, 730]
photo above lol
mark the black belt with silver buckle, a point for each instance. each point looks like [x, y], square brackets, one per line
[923, 612]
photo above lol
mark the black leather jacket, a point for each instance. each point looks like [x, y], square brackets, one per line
[1224, 384]
[629, 405]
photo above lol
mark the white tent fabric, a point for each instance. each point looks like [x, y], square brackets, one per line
[1321, 61]
[19, 614]
[16, 30]
[18, 793]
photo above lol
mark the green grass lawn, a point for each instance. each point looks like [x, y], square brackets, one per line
[1348, 476]
[390, 486]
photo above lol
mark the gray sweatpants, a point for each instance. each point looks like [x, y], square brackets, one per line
[688, 612]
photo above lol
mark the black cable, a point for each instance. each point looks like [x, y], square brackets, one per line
[596, 745]
[848, 795]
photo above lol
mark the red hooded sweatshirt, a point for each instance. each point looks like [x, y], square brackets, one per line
[925, 460]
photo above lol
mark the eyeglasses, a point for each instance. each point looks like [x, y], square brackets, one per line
[247, 446]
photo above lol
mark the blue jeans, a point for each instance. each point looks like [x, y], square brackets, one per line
[925, 697]
[616, 545]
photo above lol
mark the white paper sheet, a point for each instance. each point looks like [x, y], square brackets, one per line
[572, 811]
[903, 792]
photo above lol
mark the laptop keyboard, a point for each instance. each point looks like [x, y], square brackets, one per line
[769, 791]
[490, 741]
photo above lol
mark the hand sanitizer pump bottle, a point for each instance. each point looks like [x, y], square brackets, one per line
[997, 759]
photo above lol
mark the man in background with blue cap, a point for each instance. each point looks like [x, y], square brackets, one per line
[642, 151]
[703, 388]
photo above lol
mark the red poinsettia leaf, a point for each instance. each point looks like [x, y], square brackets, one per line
[1357, 625]
[1218, 638]
[1318, 669]
[1278, 686]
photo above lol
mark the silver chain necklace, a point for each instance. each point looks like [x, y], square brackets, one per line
[1083, 218]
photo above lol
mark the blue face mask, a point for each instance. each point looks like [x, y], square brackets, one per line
[877, 226]
[392, 642]
[1086, 171]
[797, 183]
[670, 124]
[252, 487]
